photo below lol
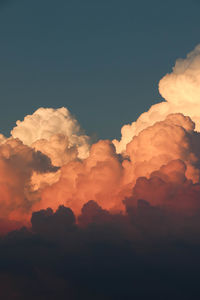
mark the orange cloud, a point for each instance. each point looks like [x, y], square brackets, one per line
[49, 161]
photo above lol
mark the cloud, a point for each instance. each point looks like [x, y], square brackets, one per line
[49, 223]
[167, 188]
[107, 178]
[91, 212]
[98, 178]
[108, 220]
[49, 161]
[55, 132]
[30, 182]
[183, 84]
[17, 163]
[173, 138]
[112, 258]
[180, 89]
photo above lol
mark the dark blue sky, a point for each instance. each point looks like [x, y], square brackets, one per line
[101, 59]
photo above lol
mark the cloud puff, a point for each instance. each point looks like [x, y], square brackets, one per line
[50, 163]
[173, 138]
[108, 178]
[17, 163]
[57, 148]
[180, 89]
[167, 188]
[50, 130]
[183, 84]
[96, 178]
[30, 181]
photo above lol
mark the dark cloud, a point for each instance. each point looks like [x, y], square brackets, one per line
[148, 253]
[93, 213]
[42, 163]
[50, 224]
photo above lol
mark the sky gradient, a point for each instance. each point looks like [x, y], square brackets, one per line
[100, 59]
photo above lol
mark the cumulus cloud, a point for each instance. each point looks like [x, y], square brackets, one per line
[17, 163]
[173, 138]
[107, 178]
[54, 132]
[96, 178]
[167, 188]
[48, 162]
[57, 148]
[183, 84]
[180, 89]
[109, 220]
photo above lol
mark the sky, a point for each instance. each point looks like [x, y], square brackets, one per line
[100, 59]
[96, 214]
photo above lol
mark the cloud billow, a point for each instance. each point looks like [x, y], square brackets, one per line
[109, 220]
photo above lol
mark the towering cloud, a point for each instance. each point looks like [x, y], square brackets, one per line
[108, 220]
[107, 178]
[54, 132]
[183, 84]
[173, 138]
[180, 89]
[48, 161]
